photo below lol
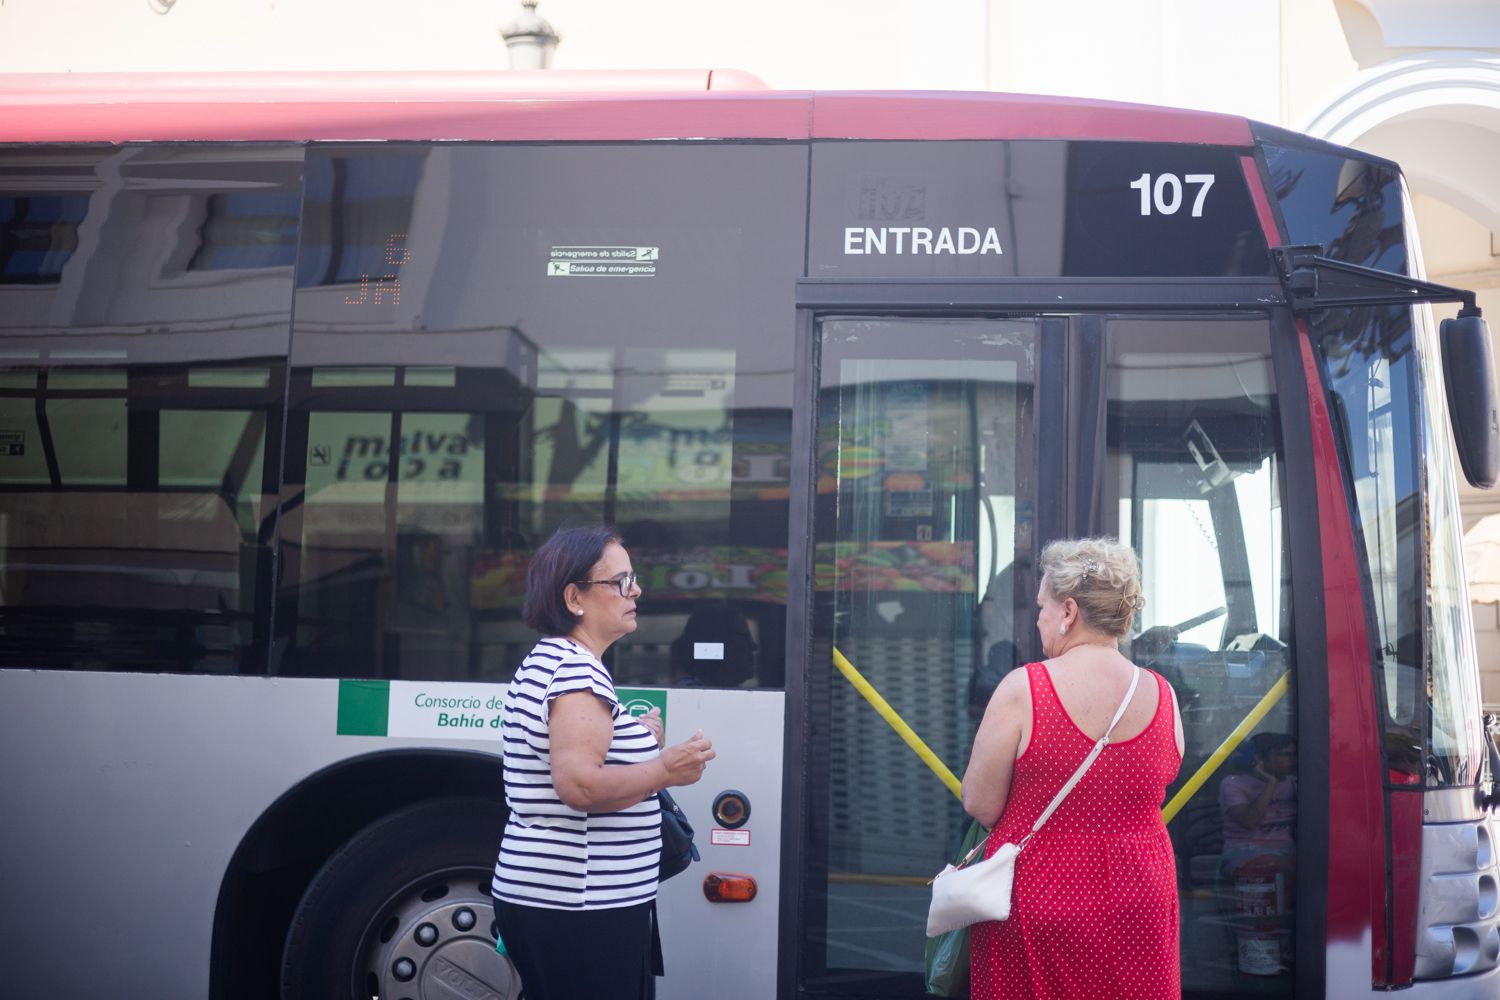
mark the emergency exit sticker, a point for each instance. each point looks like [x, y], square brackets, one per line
[602, 262]
[729, 838]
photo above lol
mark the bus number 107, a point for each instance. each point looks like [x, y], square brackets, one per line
[1166, 192]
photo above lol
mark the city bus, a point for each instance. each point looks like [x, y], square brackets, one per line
[296, 372]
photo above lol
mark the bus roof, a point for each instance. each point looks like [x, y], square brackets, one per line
[553, 106]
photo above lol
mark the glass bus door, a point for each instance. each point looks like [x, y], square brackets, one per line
[947, 453]
[923, 510]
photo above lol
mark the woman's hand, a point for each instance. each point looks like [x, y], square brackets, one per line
[684, 762]
[652, 721]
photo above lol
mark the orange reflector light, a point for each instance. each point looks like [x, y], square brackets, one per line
[728, 887]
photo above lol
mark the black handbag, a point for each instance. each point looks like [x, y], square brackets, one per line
[677, 847]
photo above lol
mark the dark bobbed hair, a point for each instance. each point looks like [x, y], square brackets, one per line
[566, 557]
[1265, 744]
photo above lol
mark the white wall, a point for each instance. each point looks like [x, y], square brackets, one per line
[1213, 56]
[824, 44]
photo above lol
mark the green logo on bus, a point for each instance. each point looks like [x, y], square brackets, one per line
[639, 701]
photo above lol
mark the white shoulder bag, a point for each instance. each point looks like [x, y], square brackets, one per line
[965, 893]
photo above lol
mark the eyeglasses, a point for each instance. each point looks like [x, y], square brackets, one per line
[621, 583]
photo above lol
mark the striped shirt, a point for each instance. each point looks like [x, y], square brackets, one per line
[552, 855]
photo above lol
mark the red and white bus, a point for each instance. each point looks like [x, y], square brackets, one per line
[296, 372]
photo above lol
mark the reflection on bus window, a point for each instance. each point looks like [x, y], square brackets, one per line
[1195, 460]
[1395, 449]
[144, 327]
[357, 215]
[41, 236]
[248, 229]
[924, 506]
[454, 401]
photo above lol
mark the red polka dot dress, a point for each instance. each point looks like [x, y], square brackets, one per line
[1094, 911]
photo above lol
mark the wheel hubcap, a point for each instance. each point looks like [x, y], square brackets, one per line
[436, 941]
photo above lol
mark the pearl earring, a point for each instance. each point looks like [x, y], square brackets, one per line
[1062, 629]
[578, 611]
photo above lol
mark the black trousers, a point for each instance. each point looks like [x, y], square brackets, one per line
[612, 954]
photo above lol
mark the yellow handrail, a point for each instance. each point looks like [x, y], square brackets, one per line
[1169, 811]
[897, 723]
[1230, 744]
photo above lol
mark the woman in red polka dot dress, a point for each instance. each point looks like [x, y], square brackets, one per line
[1094, 911]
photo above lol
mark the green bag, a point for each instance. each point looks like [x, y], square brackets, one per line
[948, 954]
[948, 964]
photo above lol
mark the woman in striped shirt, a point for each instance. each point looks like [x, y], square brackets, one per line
[575, 883]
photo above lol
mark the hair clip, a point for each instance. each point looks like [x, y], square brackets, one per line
[1090, 567]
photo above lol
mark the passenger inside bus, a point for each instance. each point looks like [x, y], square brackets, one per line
[1260, 802]
[1258, 870]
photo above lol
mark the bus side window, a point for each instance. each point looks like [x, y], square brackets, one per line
[471, 370]
[145, 315]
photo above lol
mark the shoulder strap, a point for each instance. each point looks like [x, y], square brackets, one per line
[1099, 745]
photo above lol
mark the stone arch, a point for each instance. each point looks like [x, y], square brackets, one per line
[1435, 113]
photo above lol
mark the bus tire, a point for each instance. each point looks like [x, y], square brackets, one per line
[402, 911]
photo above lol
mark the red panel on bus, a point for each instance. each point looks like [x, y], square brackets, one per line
[1356, 821]
[1406, 883]
[1356, 814]
[1014, 116]
[1262, 203]
[553, 107]
[750, 116]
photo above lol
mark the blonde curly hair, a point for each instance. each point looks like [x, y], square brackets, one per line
[1101, 575]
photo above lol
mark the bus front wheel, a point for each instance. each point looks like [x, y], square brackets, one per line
[402, 911]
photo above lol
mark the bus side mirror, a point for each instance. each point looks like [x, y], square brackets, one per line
[1469, 371]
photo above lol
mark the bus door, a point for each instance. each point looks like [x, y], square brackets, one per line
[924, 509]
[1193, 475]
[946, 453]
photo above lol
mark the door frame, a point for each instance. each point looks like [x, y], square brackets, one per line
[1078, 411]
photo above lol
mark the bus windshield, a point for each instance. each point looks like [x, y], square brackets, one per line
[1380, 368]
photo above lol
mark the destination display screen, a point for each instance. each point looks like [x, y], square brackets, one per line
[1031, 208]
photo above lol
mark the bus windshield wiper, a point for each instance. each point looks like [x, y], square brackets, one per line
[1314, 282]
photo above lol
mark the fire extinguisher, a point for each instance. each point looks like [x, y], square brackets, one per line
[1259, 895]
